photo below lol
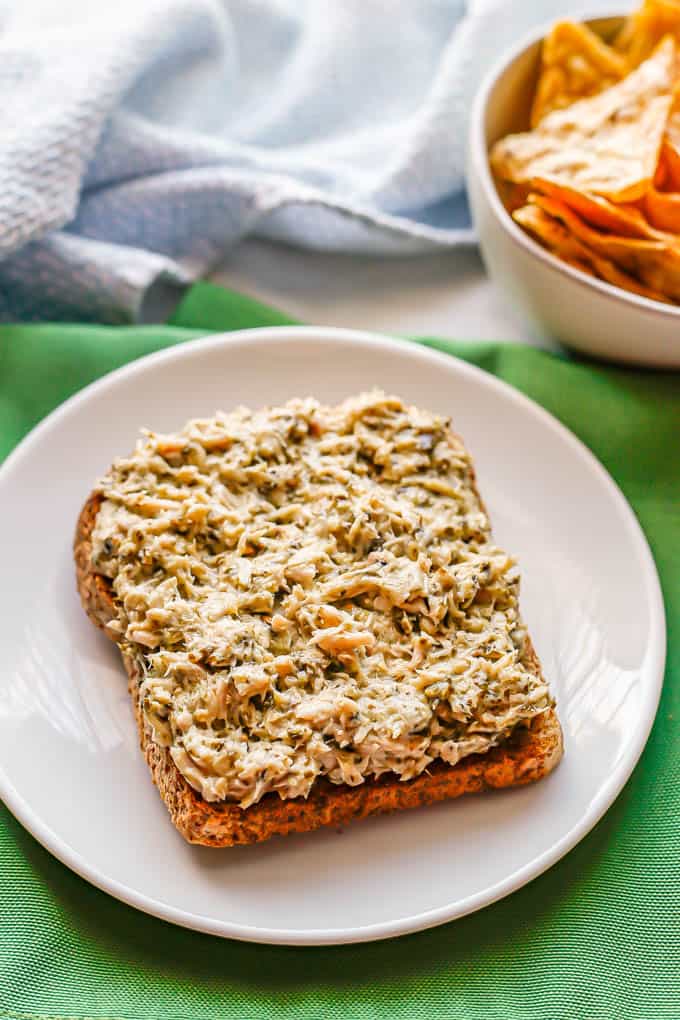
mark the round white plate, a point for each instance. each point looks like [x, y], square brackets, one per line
[70, 768]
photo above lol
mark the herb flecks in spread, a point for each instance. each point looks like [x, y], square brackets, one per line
[313, 591]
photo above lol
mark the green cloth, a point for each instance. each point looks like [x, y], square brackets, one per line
[596, 937]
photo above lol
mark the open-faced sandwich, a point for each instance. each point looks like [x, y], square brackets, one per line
[314, 619]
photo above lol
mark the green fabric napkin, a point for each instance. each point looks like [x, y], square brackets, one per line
[596, 937]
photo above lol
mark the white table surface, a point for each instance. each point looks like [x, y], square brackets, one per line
[446, 295]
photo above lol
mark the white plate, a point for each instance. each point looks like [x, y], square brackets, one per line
[70, 768]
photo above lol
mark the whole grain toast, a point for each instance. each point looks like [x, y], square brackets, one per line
[529, 754]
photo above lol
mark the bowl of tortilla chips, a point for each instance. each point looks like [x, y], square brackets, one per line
[574, 182]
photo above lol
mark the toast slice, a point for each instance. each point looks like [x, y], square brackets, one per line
[530, 753]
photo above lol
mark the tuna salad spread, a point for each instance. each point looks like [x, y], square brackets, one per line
[313, 591]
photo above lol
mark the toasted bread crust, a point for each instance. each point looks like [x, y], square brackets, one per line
[529, 755]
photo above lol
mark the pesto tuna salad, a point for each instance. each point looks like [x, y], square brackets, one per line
[313, 591]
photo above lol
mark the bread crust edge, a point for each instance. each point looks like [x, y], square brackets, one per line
[529, 755]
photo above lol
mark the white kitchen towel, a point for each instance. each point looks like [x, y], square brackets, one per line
[140, 140]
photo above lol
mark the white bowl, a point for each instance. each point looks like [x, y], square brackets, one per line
[552, 298]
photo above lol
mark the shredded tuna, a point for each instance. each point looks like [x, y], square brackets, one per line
[313, 591]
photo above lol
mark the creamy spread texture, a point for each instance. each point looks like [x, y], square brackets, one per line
[313, 591]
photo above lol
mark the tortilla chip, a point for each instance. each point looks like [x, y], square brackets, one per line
[610, 273]
[661, 172]
[662, 209]
[583, 267]
[608, 144]
[671, 163]
[656, 263]
[670, 149]
[644, 30]
[555, 236]
[622, 41]
[575, 63]
[625, 220]
[673, 125]
[512, 195]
